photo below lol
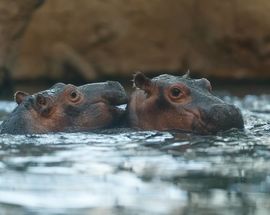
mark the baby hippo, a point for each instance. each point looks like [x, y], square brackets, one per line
[66, 108]
[169, 102]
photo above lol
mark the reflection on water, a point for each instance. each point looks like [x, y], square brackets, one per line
[131, 172]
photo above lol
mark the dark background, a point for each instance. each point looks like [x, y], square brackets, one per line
[78, 41]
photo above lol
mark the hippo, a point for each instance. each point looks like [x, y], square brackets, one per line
[67, 108]
[169, 102]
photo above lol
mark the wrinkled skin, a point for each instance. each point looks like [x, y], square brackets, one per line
[67, 108]
[169, 102]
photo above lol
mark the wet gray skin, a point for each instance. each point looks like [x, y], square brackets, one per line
[169, 102]
[67, 108]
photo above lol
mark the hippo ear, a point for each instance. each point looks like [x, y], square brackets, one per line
[19, 96]
[187, 74]
[141, 81]
[43, 105]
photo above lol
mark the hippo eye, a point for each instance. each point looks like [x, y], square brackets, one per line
[175, 92]
[74, 96]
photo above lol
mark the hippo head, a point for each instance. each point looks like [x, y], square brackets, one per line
[169, 102]
[65, 107]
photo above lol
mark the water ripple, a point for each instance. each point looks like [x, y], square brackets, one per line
[139, 172]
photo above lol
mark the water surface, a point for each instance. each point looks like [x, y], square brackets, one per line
[146, 172]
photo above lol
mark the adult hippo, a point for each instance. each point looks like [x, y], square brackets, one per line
[169, 102]
[66, 108]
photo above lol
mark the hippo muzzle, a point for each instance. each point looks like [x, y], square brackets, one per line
[110, 92]
[115, 93]
[221, 117]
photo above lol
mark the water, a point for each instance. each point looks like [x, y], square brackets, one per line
[143, 172]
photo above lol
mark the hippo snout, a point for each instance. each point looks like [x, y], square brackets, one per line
[221, 117]
[115, 93]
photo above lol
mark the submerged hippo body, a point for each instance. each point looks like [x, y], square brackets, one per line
[169, 102]
[66, 108]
